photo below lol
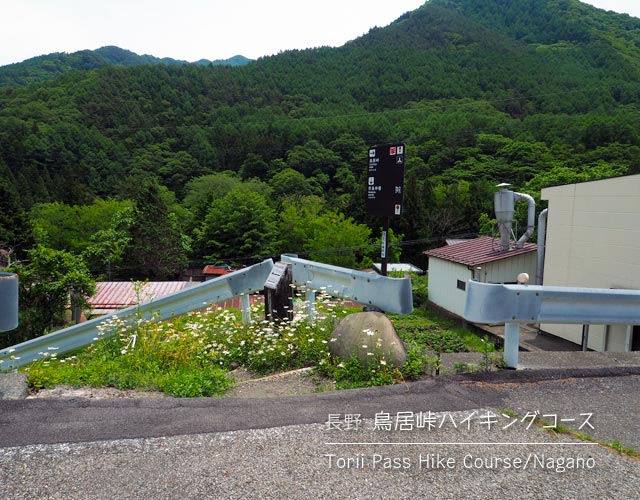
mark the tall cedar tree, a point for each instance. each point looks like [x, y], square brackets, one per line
[155, 251]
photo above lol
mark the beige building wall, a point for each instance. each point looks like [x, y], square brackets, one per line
[507, 270]
[593, 240]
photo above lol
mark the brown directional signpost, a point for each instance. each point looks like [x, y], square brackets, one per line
[385, 187]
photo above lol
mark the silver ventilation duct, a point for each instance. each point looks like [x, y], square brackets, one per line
[542, 244]
[504, 201]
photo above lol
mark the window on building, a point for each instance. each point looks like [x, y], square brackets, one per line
[462, 285]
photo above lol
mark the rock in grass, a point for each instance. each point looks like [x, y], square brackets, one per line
[367, 335]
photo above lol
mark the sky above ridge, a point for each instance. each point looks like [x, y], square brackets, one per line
[200, 29]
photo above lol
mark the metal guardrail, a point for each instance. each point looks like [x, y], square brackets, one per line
[389, 294]
[514, 304]
[238, 283]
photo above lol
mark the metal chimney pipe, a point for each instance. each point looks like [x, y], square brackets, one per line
[503, 202]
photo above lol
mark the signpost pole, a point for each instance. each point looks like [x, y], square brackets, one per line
[384, 247]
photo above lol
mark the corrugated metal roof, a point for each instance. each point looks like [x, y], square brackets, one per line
[478, 251]
[216, 270]
[113, 295]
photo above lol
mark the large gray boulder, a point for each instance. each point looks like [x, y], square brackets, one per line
[367, 333]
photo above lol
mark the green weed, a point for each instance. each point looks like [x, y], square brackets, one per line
[189, 355]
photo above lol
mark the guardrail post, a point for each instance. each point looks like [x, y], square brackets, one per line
[246, 309]
[310, 298]
[511, 344]
[585, 338]
[628, 339]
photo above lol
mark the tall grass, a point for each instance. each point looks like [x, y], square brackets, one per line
[191, 355]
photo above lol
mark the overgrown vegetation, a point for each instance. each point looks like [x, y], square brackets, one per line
[191, 355]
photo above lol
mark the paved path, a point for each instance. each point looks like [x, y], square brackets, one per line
[284, 448]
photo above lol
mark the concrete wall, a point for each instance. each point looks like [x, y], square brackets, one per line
[593, 240]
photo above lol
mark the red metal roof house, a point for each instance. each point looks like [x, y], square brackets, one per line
[111, 296]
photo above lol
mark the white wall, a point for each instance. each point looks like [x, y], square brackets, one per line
[444, 276]
[593, 240]
[443, 279]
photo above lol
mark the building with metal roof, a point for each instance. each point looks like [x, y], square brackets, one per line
[481, 259]
[111, 296]
[212, 272]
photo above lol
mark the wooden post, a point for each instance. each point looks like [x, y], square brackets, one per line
[278, 293]
[76, 307]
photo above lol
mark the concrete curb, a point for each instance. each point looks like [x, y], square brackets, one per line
[13, 385]
[533, 367]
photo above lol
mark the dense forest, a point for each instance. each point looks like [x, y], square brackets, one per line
[143, 170]
[38, 69]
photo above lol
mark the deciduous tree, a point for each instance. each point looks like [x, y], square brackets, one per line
[47, 278]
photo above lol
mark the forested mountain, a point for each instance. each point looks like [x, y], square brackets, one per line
[237, 163]
[50, 66]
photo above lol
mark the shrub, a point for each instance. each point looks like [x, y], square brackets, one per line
[420, 289]
[351, 373]
[189, 383]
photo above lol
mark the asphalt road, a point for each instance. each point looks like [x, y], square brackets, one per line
[326, 446]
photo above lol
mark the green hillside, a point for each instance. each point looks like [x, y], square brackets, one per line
[244, 162]
[46, 67]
